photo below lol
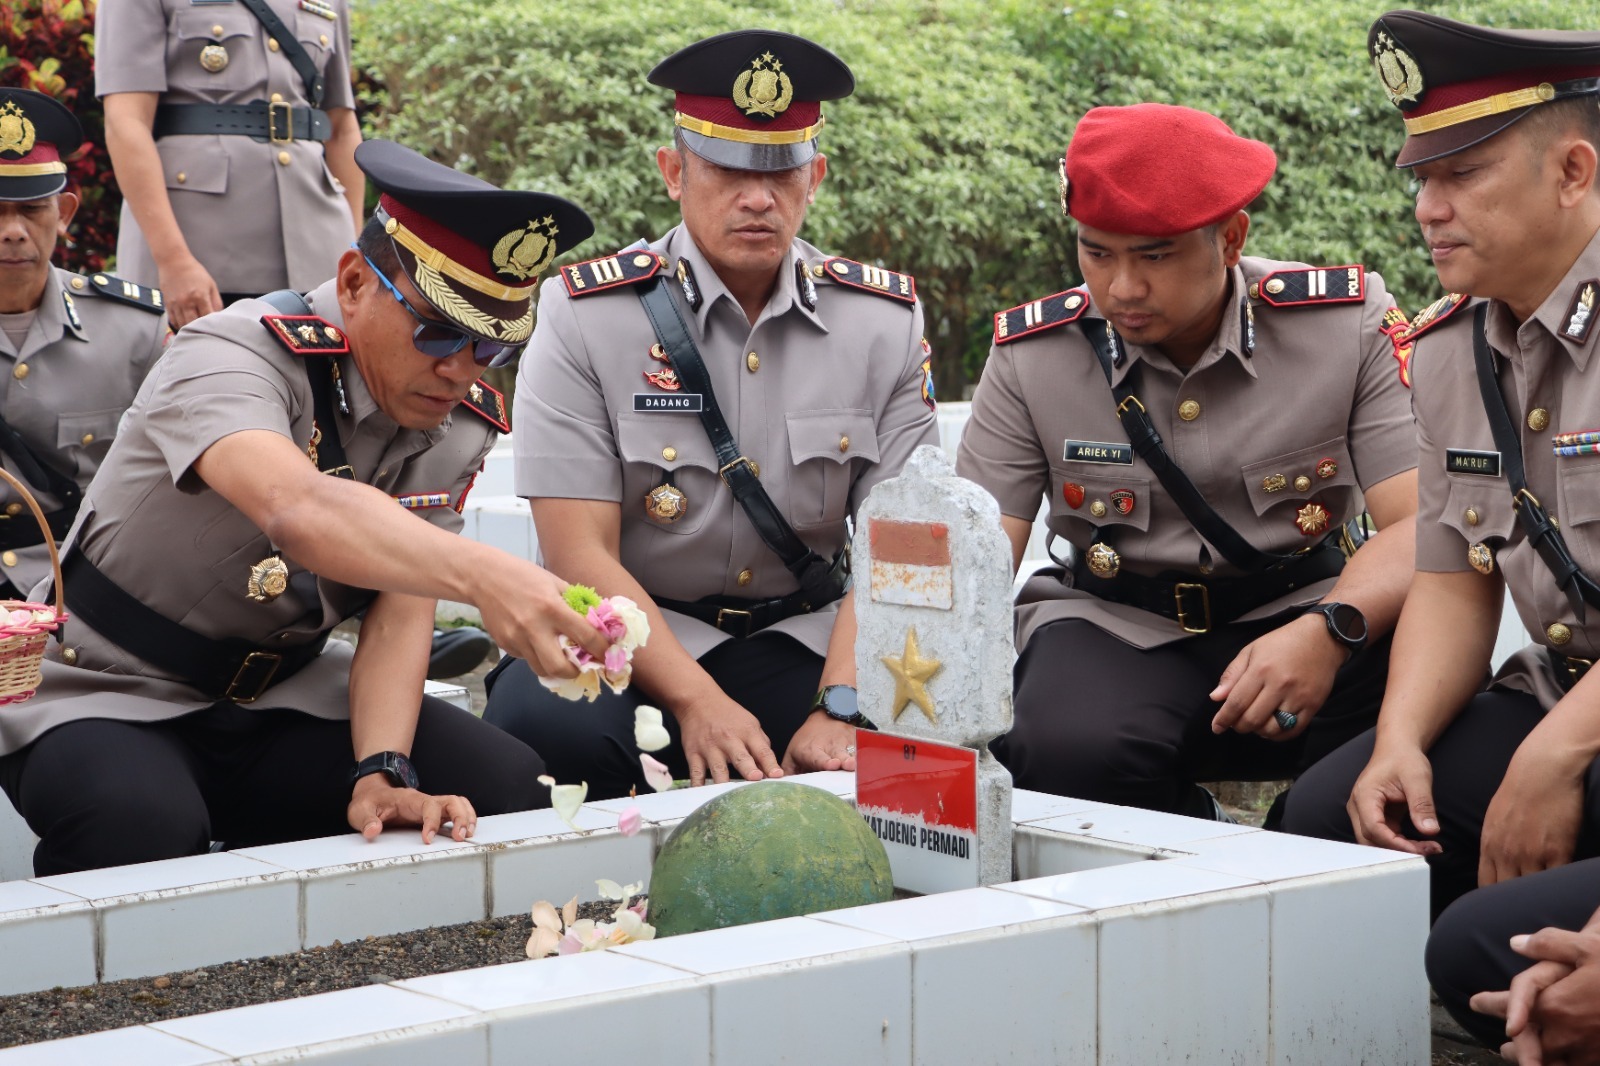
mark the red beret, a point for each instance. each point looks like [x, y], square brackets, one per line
[1156, 170]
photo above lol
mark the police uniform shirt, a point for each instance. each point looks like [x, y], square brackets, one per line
[1314, 412]
[254, 221]
[1550, 380]
[64, 389]
[155, 529]
[827, 401]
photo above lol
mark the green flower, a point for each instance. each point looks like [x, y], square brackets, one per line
[580, 598]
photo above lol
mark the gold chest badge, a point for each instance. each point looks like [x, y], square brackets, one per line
[1481, 558]
[268, 579]
[665, 503]
[213, 59]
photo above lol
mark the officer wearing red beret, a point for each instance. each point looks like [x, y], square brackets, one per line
[1201, 425]
[1498, 786]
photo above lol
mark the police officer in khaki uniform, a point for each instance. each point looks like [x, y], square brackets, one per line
[1499, 786]
[233, 142]
[285, 458]
[820, 373]
[73, 349]
[1201, 425]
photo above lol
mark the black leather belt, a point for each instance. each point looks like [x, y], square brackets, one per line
[230, 669]
[278, 123]
[740, 617]
[1569, 670]
[1198, 605]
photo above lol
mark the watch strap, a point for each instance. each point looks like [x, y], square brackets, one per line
[392, 764]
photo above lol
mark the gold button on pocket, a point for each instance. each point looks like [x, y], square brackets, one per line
[669, 453]
[13, 509]
[283, 159]
[182, 177]
[1189, 410]
[9, 558]
[19, 371]
[324, 40]
[1558, 633]
[87, 438]
[1470, 516]
[1098, 508]
[1302, 484]
[745, 577]
[277, 98]
[216, 31]
[753, 362]
[844, 444]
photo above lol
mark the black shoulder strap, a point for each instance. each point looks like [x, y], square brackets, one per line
[292, 51]
[323, 374]
[1541, 531]
[816, 575]
[39, 473]
[1147, 443]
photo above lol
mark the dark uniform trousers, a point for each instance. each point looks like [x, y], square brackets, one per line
[771, 675]
[1468, 950]
[1098, 719]
[101, 792]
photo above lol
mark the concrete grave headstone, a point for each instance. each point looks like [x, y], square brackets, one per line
[933, 662]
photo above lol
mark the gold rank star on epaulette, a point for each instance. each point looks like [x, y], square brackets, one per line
[489, 404]
[1311, 286]
[1048, 313]
[1433, 314]
[126, 291]
[625, 268]
[306, 334]
[872, 279]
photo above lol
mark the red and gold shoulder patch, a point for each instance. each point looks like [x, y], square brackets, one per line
[890, 283]
[1310, 286]
[1040, 315]
[307, 334]
[1435, 313]
[1396, 328]
[627, 267]
[489, 404]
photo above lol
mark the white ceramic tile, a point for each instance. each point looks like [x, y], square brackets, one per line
[948, 913]
[1130, 825]
[670, 806]
[311, 1020]
[116, 882]
[534, 825]
[1274, 856]
[545, 981]
[1116, 886]
[665, 1026]
[19, 899]
[556, 870]
[1348, 986]
[510, 532]
[16, 844]
[1185, 979]
[452, 693]
[1040, 853]
[46, 947]
[497, 477]
[347, 903]
[168, 931]
[352, 849]
[761, 944]
[137, 1046]
[1032, 806]
[461, 1042]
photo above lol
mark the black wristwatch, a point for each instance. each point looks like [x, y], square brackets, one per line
[1346, 624]
[392, 763]
[839, 703]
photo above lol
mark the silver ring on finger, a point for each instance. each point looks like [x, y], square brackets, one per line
[849, 749]
[1286, 720]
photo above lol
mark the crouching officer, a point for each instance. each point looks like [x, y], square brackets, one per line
[1201, 425]
[712, 408]
[73, 349]
[291, 461]
[1499, 786]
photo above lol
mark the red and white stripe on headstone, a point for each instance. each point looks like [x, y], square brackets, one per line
[911, 564]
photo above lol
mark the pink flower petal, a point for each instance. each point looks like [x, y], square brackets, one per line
[656, 774]
[629, 821]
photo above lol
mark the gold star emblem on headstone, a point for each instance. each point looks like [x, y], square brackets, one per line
[911, 674]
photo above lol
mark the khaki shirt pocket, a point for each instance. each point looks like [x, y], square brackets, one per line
[318, 36]
[1075, 523]
[87, 431]
[823, 445]
[1578, 509]
[194, 164]
[1320, 469]
[656, 449]
[1479, 508]
[229, 27]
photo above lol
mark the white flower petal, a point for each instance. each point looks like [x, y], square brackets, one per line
[566, 799]
[570, 912]
[648, 732]
[609, 889]
[545, 917]
[543, 942]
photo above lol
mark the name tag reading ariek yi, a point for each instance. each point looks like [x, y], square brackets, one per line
[1097, 451]
[658, 403]
[1470, 461]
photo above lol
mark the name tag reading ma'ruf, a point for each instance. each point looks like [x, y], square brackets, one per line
[1471, 461]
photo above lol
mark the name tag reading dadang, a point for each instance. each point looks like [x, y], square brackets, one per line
[662, 403]
[1469, 461]
[1097, 451]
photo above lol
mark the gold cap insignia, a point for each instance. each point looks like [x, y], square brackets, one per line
[763, 91]
[1065, 187]
[527, 251]
[1397, 70]
[268, 579]
[16, 132]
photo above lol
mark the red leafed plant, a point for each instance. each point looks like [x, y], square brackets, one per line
[48, 45]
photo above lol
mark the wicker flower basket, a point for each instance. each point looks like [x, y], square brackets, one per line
[22, 644]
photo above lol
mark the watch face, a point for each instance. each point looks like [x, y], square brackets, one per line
[840, 702]
[400, 770]
[1348, 621]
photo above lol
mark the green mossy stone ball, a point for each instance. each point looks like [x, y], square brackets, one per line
[773, 849]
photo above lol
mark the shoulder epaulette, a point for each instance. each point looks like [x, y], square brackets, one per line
[1580, 313]
[138, 295]
[1434, 314]
[1048, 313]
[872, 279]
[306, 334]
[625, 268]
[489, 404]
[1310, 286]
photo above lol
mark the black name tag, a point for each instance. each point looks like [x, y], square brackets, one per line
[657, 402]
[1468, 461]
[1098, 451]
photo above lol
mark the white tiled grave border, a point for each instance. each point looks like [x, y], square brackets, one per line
[1237, 947]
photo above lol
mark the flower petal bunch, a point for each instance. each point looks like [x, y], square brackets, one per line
[565, 933]
[624, 625]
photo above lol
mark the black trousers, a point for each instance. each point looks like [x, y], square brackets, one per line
[100, 792]
[771, 675]
[1096, 718]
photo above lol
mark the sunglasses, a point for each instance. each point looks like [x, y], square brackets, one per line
[435, 339]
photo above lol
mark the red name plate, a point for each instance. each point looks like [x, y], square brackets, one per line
[921, 799]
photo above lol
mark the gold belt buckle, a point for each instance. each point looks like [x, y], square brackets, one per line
[1205, 604]
[723, 474]
[1573, 663]
[272, 122]
[250, 661]
[723, 612]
